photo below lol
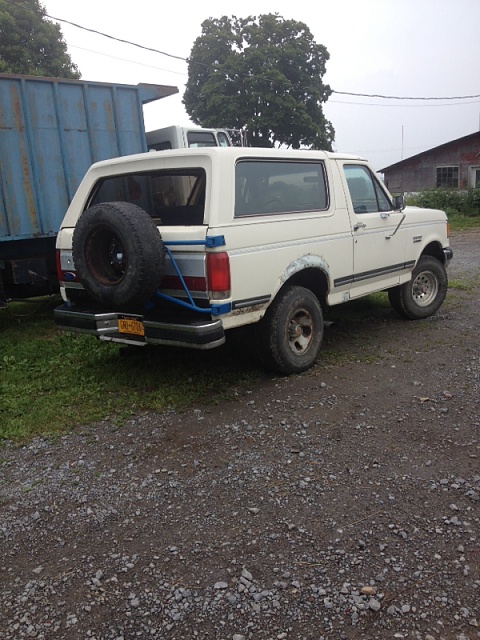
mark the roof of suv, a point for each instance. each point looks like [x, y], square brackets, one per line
[233, 153]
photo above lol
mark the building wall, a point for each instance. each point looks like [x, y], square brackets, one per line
[420, 172]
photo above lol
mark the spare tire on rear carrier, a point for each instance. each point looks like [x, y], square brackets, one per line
[118, 254]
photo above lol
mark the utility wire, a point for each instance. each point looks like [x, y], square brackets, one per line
[142, 64]
[358, 104]
[106, 35]
[376, 95]
[401, 106]
[345, 93]
[170, 55]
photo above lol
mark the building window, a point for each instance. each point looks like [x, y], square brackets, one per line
[475, 177]
[447, 177]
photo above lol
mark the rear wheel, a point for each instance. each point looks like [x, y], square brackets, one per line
[424, 294]
[290, 334]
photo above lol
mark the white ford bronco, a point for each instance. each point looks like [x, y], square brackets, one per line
[177, 247]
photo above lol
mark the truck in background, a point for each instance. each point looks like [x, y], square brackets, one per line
[51, 131]
[177, 137]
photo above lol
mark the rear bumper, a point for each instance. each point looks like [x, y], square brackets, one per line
[201, 334]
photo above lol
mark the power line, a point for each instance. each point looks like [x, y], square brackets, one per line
[358, 104]
[106, 35]
[376, 95]
[170, 55]
[401, 106]
[142, 64]
[345, 93]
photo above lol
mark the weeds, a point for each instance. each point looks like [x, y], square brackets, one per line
[460, 222]
[461, 285]
[51, 381]
[455, 202]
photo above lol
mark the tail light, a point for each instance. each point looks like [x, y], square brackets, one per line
[218, 275]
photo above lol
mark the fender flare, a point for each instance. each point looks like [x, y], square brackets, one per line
[308, 261]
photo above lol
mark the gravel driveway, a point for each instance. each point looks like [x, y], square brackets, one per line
[341, 503]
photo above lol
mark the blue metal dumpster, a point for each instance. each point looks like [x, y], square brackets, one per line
[51, 131]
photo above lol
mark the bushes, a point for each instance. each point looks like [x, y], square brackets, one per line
[452, 201]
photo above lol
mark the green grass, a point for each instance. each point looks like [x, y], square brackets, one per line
[462, 285]
[463, 223]
[52, 381]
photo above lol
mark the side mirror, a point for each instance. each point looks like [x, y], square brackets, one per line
[398, 203]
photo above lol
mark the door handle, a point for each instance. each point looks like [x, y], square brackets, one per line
[359, 225]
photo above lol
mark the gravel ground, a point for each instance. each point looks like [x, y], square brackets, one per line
[341, 503]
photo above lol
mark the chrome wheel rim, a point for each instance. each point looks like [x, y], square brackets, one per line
[300, 331]
[425, 288]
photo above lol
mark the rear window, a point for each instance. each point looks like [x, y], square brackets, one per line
[201, 139]
[172, 197]
[266, 187]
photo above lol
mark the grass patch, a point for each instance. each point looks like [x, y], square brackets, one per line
[51, 381]
[463, 223]
[461, 285]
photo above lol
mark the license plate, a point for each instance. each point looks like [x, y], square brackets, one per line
[131, 326]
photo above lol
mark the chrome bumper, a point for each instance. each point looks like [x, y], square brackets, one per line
[201, 334]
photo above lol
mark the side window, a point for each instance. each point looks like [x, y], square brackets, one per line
[266, 187]
[365, 191]
[223, 140]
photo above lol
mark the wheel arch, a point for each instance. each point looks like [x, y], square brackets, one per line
[435, 250]
[310, 272]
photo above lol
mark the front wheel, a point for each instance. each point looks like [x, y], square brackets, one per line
[290, 334]
[424, 294]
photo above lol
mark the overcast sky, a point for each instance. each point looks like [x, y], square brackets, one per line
[411, 48]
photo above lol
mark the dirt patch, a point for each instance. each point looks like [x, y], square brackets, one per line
[341, 503]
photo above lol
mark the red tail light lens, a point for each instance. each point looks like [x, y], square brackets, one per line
[192, 284]
[218, 275]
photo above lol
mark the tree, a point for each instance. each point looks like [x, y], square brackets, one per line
[30, 43]
[264, 75]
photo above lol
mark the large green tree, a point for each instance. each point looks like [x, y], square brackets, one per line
[263, 74]
[30, 43]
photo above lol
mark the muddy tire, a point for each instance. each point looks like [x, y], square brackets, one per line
[118, 254]
[424, 294]
[291, 332]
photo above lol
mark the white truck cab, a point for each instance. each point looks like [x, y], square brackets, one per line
[181, 246]
[177, 137]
